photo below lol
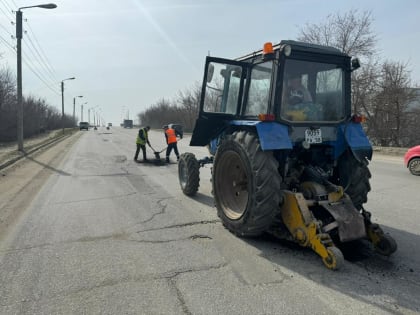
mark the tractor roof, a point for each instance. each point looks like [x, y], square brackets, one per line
[299, 46]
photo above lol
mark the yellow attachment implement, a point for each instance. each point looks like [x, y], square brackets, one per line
[305, 229]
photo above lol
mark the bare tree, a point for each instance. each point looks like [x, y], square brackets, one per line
[189, 103]
[350, 32]
[183, 111]
[38, 115]
[8, 122]
[159, 114]
[392, 118]
[410, 135]
[365, 84]
[381, 92]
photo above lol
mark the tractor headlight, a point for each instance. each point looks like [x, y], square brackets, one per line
[287, 50]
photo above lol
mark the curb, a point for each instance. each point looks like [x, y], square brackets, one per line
[393, 151]
[33, 150]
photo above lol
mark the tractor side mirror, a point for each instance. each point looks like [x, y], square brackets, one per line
[355, 64]
[210, 71]
[237, 72]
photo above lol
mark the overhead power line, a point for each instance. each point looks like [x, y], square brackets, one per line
[38, 58]
[35, 69]
[6, 30]
[43, 56]
[8, 44]
[6, 10]
[40, 78]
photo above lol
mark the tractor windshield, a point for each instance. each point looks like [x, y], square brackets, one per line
[312, 91]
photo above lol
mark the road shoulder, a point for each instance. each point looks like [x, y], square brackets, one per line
[21, 181]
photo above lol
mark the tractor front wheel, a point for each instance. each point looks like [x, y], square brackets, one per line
[189, 174]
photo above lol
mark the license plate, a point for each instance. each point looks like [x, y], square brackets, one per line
[313, 136]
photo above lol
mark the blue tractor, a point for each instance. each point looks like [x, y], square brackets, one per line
[288, 156]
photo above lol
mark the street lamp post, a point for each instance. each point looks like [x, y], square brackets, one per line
[74, 107]
[99, 116]
[62, 100]
[89, 113]
[81, 111]
[19, 69]
[97, 120]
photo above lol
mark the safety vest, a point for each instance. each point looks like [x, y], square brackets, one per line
[140, 140]
[171, 136]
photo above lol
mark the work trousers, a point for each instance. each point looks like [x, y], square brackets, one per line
[143, 148]
[169, 149]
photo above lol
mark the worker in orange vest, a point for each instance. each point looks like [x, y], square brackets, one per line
[171, 140]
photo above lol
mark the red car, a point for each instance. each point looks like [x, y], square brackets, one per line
[412, 160]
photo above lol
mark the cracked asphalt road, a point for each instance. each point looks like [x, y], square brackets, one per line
[86, 230]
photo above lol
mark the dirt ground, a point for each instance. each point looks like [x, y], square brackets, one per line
[9, 152]
[21, 181]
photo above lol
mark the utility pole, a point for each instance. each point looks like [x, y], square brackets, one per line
[62, 101]
[81, 111]
[74, 108]
[19, 123]
[19, 80]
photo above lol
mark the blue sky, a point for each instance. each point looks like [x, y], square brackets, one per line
[128, 54]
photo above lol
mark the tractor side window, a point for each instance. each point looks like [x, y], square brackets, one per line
[222, 88]
[259, 89]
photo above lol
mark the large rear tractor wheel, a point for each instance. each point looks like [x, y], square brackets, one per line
[354, 176]
[189, 174]
[246, 185]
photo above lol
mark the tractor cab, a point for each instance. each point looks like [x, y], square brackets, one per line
[293, 83]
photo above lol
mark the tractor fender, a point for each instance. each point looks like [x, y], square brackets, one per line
[352, 135]
[272, 135]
